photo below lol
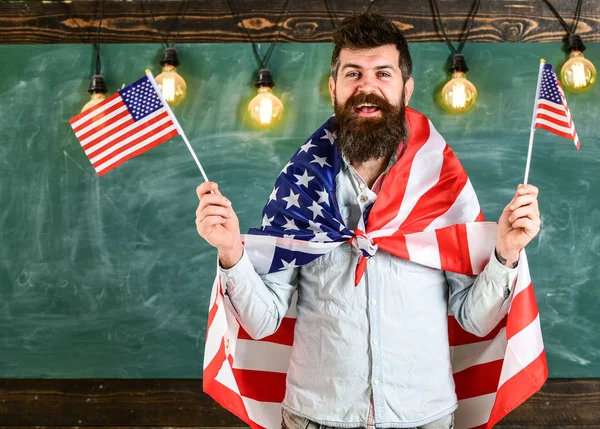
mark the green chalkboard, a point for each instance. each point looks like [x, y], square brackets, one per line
[107, 277]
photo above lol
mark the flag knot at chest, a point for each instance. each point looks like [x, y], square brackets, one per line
[367, 248]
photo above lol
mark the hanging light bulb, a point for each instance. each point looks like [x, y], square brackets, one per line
[459, 94]
[97, 89]
[171, 84]
[265, 109]
[578, 73]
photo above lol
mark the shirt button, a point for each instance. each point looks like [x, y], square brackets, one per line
[374, 302]
[361, 186]
[375, 342]
[364, 198]
[371, 261]
[376, 381]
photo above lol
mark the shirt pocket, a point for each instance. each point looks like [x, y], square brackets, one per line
[350, 215]
[331, 276]
[417, 274]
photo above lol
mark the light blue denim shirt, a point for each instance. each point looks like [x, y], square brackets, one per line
[383, 342]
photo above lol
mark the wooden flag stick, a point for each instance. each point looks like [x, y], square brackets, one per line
[179, 129]
[535, 103]
[529, 156]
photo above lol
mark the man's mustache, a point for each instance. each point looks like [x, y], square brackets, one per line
[362, 98]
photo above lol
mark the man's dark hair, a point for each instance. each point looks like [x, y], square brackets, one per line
[365, 30]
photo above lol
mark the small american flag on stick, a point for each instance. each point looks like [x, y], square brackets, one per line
[550, 110]
[128, 123]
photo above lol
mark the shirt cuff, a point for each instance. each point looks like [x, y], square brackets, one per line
[238, 272]
[499, 264]
[502, 274]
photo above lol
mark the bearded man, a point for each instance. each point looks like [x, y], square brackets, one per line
[371, 347]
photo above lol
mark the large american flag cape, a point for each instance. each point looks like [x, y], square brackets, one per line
[552, 112]
[426, 211]
[128, 123]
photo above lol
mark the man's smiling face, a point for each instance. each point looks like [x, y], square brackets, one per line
[370, 71]
[369, 96]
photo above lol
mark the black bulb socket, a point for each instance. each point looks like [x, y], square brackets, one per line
[575, 43]
[459, 64]
[265, 79]
[170, 58]
[97, 85]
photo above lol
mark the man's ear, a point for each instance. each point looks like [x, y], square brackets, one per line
[332, 90]
[409, 88]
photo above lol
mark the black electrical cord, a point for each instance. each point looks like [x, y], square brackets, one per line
[562, 21]
[333, 17]
[97, 44]
[577, 16]
[182, 8]
[281, 23]
[474, 10]
[84, 35]
[263, 62]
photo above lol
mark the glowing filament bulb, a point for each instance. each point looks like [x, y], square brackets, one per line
[168, 88]
[459, 94]
[265, 109]
[172, 85]
[578, 74]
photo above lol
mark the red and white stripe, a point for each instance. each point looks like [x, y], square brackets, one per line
[556, 118]
[442, 228]
[110, 136]
[495, 374]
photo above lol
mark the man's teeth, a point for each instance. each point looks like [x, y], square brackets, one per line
[366, 105]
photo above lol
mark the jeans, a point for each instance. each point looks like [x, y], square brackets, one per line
[292, 421]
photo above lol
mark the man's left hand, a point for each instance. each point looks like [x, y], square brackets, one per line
[518, 225]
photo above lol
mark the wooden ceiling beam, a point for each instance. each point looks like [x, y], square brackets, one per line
[28, 22]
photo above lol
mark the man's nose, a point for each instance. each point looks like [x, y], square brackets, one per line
[367, 85]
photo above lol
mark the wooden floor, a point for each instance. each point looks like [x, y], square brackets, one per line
[175, 403]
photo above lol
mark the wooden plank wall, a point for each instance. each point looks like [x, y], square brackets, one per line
[115, 403]
[307, 21]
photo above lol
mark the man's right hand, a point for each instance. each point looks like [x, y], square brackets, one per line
[218, 224]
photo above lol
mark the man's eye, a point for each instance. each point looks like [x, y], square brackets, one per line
[384, 74]
[352, 74]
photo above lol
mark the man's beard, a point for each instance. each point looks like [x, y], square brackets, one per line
[363, 138]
